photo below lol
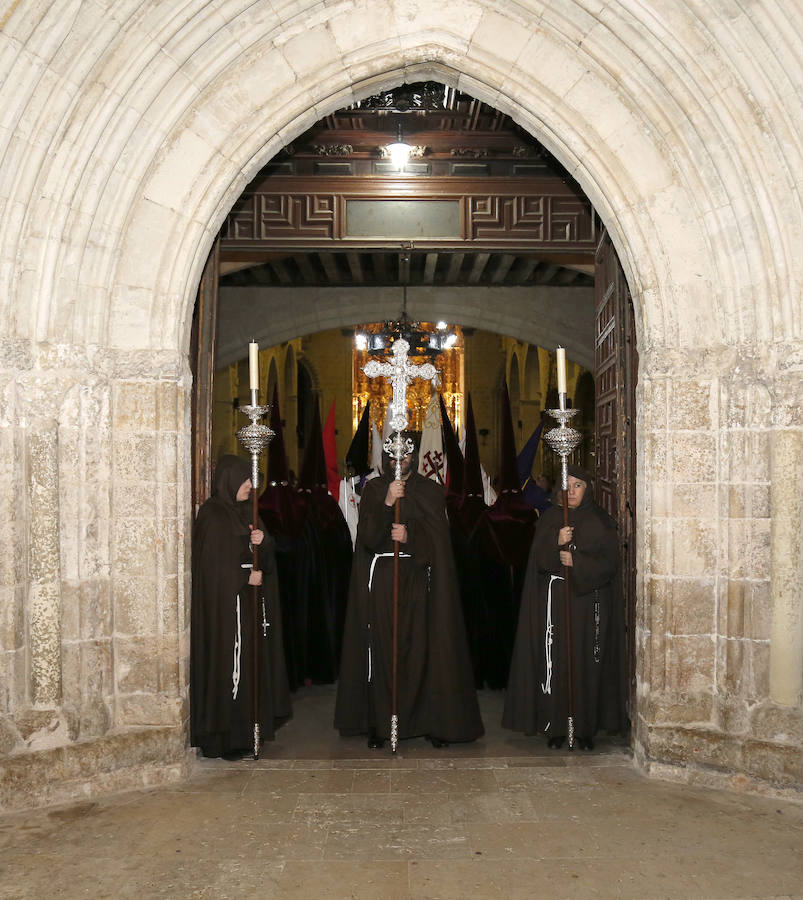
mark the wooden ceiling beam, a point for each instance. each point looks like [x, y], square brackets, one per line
[429, 268]
[355, 267]
[504, 265]
[455, 265]
[280, 269]
[480, 261]
[329, 264]
[304, 263]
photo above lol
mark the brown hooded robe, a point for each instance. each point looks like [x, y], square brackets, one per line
[536, 695]
[221, 723]
[436, 695]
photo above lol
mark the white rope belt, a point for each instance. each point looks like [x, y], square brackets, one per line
[238, 640]
[380, 556]
[546, 687]
[370, 583]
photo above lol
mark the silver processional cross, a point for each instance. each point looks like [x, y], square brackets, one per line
[401, 372]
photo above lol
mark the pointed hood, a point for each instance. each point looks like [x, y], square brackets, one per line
[508, 468]
[330, 453]
[510, 523]
[454, 458]
[313, 467]
[278, 467]
[472, 479]
[357, 453]
[277, 504]
[525, 459]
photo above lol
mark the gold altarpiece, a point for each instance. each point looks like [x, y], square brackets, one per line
[451, 369]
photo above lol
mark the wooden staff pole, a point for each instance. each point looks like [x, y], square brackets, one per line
[255, 589]
[567, 617]
[394, 718]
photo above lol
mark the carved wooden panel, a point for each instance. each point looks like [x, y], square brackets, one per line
[616, 367]
[276, 217]
[541, 218]
[523, 212]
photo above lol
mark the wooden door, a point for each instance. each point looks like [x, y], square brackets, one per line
[203, 339]
[616, 368]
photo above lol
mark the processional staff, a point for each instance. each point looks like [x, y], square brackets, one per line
[401, 373]
[563, 441]
[255, 438]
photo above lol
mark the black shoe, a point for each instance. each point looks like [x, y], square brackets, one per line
[375, 742]
[437, 742]
[237, 755]
[556, 742]
[586, 743]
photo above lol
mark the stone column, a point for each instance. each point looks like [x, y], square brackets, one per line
[44, 600]
[786, 656]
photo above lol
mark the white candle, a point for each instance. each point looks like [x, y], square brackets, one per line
[253, 365]
[561, 370]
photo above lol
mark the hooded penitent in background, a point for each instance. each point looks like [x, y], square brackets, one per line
[501, 543]
[534, 490]
[491, 547]
[323, 565]
[283, 513]
[536, 698]
[223, 622]
[357, 467]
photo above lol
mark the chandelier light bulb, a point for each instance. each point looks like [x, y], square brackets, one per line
[399, 151]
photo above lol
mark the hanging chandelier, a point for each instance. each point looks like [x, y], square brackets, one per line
[426, 341]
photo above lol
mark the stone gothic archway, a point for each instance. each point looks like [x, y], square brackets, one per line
[119, 164]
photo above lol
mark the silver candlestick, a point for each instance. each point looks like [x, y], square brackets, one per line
[256, 436]
[563, 440]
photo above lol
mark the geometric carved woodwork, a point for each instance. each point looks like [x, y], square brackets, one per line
[524, 213]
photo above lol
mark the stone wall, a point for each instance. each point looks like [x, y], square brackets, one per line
[128, 129]
[94, 641]
[721, 656]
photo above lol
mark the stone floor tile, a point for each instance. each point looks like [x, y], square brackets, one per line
[504, 817]
[316, 781]
[438, 781]
[371, 781]
[480, 807]
[349, 809]
[396, 842]
[219, 879]
[344, 880]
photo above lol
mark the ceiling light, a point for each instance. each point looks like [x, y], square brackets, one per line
[399, 151]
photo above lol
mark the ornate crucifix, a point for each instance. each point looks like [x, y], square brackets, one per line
[401, 373]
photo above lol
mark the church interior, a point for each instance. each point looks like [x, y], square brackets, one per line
[180, 180]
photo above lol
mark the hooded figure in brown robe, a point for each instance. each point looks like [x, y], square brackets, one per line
[536, 700]
[436, 694]
[223, 620]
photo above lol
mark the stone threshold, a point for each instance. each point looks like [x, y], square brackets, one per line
[118, 761]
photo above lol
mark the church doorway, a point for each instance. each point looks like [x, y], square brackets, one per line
[479, 222]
